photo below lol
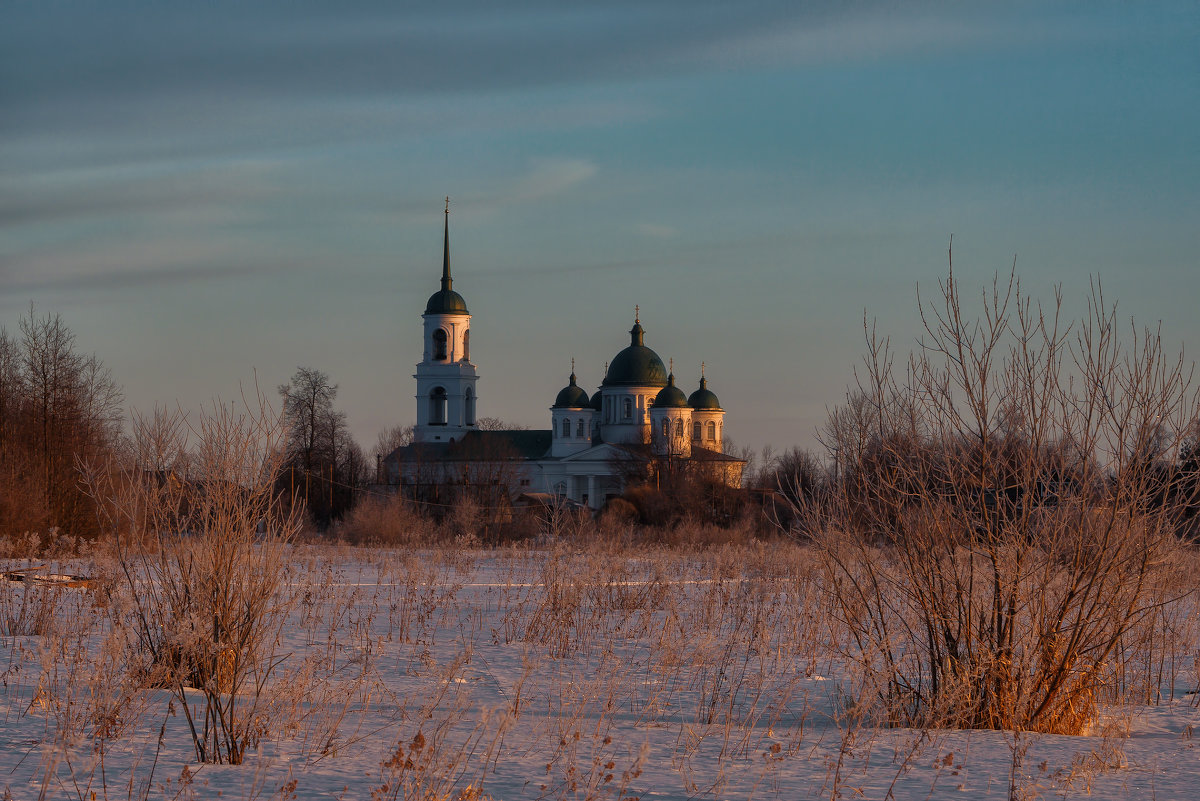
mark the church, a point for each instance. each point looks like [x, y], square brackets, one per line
[637, 422]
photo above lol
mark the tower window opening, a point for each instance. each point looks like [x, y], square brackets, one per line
[579, 429]
[437, 406]
[666, 428]
[566, 428]
[696, 431]
[439, 345]
[627, 408]
[467, 345]
[469, 404]
[679, 428]
[712, 430]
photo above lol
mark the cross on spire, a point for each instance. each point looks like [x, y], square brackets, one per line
[637, 312]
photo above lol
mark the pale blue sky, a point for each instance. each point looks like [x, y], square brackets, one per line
[206, 190]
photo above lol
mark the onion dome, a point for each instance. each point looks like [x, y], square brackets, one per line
[636, 365]
[670, 396]
[446, 300]
[598, 401]
[704, 398]
[572, 396]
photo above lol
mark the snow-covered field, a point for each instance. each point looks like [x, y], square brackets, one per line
[552, 673]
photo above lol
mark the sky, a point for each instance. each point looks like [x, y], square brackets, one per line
[214, 194]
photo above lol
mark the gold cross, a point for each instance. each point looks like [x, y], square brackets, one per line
[637, 311]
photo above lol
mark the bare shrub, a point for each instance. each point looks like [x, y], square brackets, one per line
[201, 546]
[384, 520]
[1000, 514]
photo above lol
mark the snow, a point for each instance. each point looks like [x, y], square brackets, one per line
[544, 674]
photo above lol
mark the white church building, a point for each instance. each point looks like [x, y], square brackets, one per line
[637, 421]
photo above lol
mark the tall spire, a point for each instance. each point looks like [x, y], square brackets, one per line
[447, 281]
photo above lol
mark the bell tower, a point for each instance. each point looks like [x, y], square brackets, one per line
[446, 394]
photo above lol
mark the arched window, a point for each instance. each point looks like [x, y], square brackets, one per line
[437, 407]
[679, 428]
[627, 408]
[666, 428]
[469, 403]
[712, 430]
[579, 428]
[467, 345]
[566, 431]
[439, 345]
[696, 431]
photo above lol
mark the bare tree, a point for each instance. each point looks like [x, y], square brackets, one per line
[324, 466]
[56, 406]
[496, 424]
[393, 437]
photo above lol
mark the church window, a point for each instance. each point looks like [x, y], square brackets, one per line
[566, 428]
[467, 345]
[679, 428]
[712, 430]
[439, 345]
[437, 406]
[666, 428]
[696, 431]
[579, 428]
[470, 406]
[627, 407]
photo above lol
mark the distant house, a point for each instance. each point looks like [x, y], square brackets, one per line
[637, 422]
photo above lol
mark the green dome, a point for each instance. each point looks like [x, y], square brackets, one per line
[637, 365]
[704, 398]
[572, 396]
[670, 396]
[446, 301]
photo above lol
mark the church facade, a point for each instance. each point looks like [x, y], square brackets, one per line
[636, 423]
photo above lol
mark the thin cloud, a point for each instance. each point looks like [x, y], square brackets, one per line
[133, 188]
[138, 264]
[551, 177]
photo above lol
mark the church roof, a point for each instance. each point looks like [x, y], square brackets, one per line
[446, 300]
[572, 396]
[670, 396]
[636, 365]
[478, 446]
[704, 398]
